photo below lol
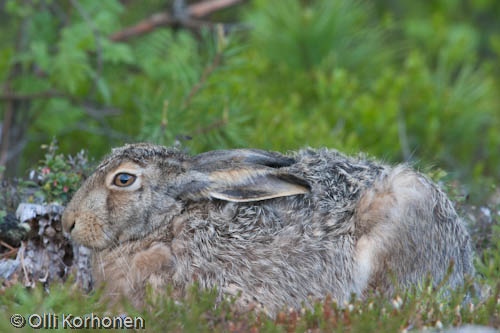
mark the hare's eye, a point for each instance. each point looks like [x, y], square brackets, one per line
[124, 179]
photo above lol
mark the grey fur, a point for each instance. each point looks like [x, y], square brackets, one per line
[353, 225]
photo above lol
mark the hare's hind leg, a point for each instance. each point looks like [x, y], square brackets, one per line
[406, 228]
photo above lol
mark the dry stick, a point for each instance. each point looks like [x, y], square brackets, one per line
[6, 245]
[9, 253]
[194, 12]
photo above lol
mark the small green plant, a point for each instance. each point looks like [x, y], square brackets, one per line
[59, 176]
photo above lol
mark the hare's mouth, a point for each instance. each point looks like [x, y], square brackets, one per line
[92, 234]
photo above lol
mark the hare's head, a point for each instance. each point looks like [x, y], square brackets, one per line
[141, 187]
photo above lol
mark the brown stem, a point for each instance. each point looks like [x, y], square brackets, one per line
[6, 245]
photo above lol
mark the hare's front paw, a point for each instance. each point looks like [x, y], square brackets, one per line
[152, 265]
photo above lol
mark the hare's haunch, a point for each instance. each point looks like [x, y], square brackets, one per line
[279, 229]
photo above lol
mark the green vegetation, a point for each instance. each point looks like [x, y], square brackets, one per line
[197, 313]
[403, 81]
[415, 82]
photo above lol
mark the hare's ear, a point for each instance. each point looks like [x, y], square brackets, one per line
[214, 159]
[243, 183]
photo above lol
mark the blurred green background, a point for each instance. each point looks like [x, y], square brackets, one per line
[415, 81]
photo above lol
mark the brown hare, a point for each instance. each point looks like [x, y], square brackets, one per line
[280, 230]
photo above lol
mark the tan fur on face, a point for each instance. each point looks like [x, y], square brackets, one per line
[89, 227]
[96, 210]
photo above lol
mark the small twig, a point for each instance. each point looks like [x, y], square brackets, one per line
[21, 258]
[6, 245]
[189, 19]
[203, 78]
